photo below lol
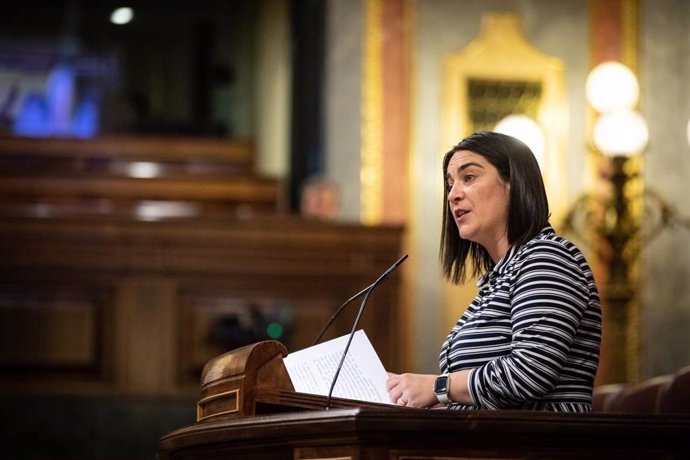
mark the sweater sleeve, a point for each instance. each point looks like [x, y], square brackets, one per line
[549, 295]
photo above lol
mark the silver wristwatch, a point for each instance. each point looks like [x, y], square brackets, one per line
[442, 387]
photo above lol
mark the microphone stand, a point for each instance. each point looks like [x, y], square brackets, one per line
[368, 292]
[356, 296]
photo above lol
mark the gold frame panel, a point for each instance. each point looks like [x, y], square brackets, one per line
[500, 52]
[371, 170]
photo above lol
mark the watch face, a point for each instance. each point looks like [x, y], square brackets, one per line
[441, 384]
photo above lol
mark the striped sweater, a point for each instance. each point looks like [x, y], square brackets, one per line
[532, 334]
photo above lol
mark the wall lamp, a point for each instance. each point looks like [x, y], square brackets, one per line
[612, 224]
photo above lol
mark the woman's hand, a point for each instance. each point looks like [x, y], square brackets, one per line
[412, 390]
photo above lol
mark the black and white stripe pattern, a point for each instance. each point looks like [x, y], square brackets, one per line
[533, 332]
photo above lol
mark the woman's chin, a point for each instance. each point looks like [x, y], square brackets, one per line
[464, 233]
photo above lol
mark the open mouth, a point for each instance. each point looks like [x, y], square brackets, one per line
[458, 213]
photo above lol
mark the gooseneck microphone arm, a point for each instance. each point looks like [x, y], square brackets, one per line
[356, 296]
[337, 313]
[367, 292]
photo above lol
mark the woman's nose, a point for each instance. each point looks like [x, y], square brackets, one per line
[454, 194]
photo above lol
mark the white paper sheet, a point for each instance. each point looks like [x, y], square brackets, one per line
[362, 376]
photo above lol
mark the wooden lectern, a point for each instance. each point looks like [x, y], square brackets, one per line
[248, 409]
[252, 380]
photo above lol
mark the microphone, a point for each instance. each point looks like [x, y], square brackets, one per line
[367, 292]
[356, 296]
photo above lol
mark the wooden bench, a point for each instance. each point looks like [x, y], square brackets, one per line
[130, 176]
[664, 394]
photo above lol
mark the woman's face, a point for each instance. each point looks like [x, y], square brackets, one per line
[478, 201]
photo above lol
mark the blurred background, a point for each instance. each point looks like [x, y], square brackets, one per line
[182, 178]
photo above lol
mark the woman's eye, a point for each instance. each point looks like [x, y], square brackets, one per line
[468, 177]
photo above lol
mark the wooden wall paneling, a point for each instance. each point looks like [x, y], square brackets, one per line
[145, 340]
[167, 277]
[56, 337]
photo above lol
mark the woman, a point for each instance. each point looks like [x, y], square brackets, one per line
[530, 339]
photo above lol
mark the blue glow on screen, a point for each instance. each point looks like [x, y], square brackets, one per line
[58, 111]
